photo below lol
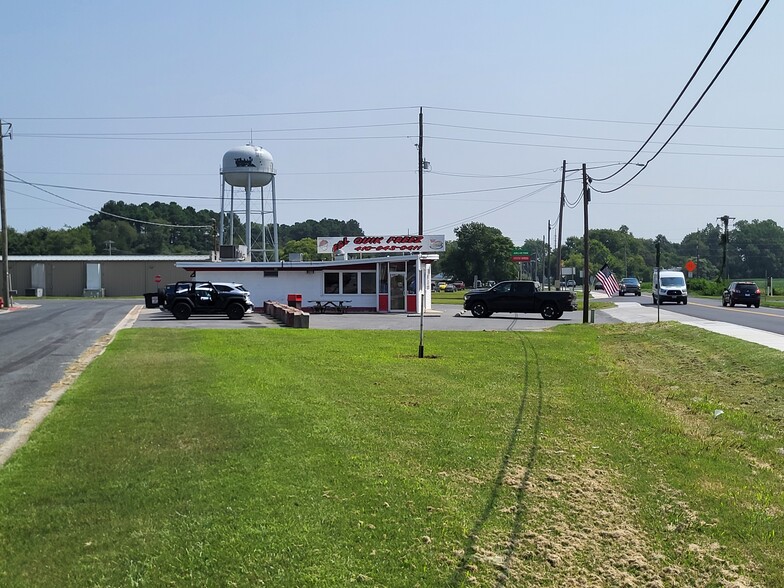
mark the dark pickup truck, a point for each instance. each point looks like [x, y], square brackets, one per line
[516, 296]
[183, 299]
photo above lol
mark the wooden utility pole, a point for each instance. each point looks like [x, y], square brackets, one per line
[3, 221]
[547, 258]
[586, 271]
[560, 225]
[724, 239]
[421, 180]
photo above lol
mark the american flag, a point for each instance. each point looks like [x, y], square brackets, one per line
[606, 277]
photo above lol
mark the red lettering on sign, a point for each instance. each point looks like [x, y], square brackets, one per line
[339, 245]
[367, 240]
[405, 239]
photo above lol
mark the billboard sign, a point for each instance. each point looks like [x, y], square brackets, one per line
[382, 244]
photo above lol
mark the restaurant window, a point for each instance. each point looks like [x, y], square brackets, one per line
[350, 285]
[383, 278]
[331, 282]
[411, 277]
[367, 282]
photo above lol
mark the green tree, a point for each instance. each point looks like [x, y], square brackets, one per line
[306, 246]
[480, 251]
[756, 249]
[326, 227]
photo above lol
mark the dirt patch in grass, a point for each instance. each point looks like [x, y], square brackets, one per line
[581, 530]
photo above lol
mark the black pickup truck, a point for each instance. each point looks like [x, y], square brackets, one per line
[518, 296]
[183, 299]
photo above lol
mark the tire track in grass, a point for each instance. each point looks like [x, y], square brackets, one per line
[470, 550]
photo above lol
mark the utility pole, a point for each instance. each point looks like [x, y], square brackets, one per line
[547, 254]
[421, 179]
[560, 225]
[724, 239]
[3, 220]
[656, 275]
[420, 165]
[586, 289]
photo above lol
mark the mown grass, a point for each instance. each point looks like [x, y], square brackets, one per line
[588, 455]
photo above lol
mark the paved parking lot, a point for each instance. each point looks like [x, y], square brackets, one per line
[443, 317]
[153, 317]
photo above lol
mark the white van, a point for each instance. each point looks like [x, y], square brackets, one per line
[669, 286]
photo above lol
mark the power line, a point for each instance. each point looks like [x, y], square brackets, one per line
[587, 138]
[225, 132]
[610, 149]
[290, 199]
[225, 115]
[598, 120]
[133, 220]
[492, 210]
[693, 108]
[682, 92]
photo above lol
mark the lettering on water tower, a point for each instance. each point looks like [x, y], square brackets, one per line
[242, 162]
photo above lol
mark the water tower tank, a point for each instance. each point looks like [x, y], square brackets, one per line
[251, 161]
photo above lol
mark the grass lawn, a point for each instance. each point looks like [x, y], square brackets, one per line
[584, 456]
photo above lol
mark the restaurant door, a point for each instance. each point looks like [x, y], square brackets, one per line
[397, 291]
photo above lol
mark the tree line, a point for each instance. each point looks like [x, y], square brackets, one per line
[750, 249]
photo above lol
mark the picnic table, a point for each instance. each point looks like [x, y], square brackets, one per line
[322, 306]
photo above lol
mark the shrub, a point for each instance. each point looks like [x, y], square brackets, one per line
[705, 287]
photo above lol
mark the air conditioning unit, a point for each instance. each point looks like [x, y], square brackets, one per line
[229, 252]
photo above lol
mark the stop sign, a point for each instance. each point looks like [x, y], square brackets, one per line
[157, 279]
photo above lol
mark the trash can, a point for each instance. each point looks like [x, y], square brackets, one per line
[295, 301]
[151, 300]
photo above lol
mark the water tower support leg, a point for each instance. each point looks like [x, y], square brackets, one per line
[247, 219]
[275, 222]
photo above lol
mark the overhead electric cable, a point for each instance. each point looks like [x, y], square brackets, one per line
[133, 220]
[682, 92]
[191, 116]
[611, 149]
[693, 108]
[290, 199]
[490, 211]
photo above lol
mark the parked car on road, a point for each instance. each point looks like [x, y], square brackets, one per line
[630, 286]
[570, 283]
[747, 293]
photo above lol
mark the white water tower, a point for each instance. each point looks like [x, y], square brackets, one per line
[249, 167]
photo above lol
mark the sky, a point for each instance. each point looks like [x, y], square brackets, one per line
[138, 101]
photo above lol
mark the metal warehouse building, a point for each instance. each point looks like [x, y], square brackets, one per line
[95, 275]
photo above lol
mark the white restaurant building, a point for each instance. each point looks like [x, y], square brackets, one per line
[389, 273]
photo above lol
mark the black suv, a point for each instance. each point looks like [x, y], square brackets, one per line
[747, 293]
[183, 299]
[629, 286]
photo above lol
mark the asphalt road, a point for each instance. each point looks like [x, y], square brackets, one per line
[38, 344]
[765, 319]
